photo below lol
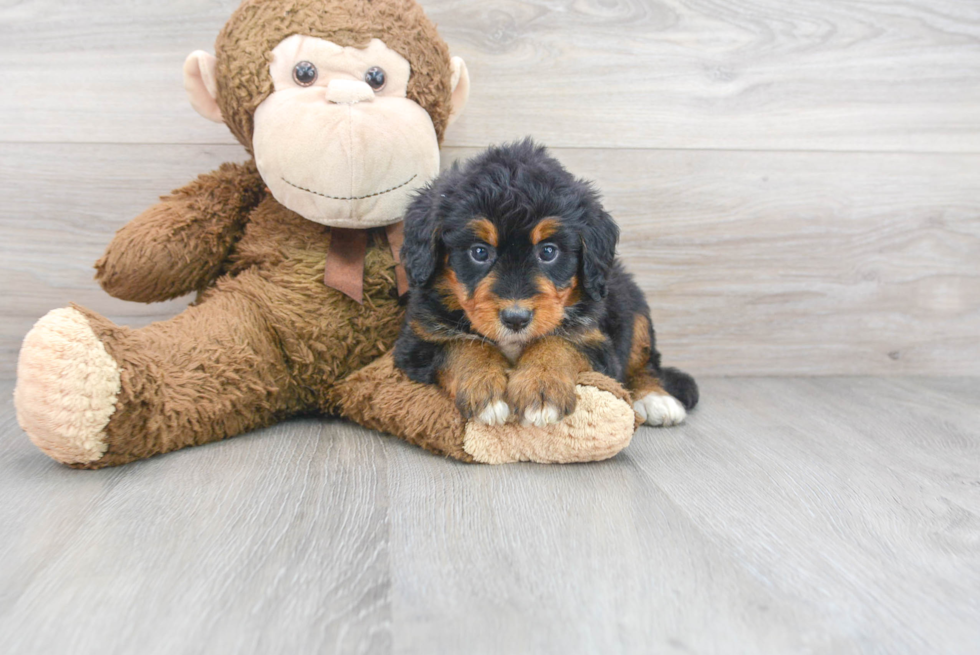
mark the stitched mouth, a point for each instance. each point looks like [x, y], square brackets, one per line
[372, 195]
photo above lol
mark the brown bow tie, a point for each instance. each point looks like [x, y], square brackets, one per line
[345, 260]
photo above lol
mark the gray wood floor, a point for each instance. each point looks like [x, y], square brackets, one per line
[832, 515]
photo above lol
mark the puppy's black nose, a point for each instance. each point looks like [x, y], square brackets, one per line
[516, 319]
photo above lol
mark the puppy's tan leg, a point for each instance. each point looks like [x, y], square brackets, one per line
[475, 376]
[654, 405]
[542, 385]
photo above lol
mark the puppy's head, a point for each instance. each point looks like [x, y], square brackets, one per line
[512, 239]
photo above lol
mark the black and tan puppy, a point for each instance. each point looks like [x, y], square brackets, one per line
[515, 289]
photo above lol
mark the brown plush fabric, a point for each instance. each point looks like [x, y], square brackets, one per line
[257, 26]
[179, 245]
[603, 383]
[381, 397]
[599, 428]
[266, 341]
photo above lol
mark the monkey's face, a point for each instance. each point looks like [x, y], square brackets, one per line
[338, 142]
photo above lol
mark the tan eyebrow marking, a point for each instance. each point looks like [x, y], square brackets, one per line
[485, 231]
[546, 228]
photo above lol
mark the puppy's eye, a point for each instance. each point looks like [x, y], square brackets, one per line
[304, 73]
[481, 254]
[376, 78]
[548, 253]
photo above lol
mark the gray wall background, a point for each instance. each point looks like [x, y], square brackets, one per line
[798, 181]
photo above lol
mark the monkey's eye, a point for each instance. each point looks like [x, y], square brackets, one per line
[481, 254]
[375, 78]
[548, 253]
[304, 73]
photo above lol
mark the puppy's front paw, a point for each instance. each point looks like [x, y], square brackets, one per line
[543, 416]
[496, 413]
[481, 397]
[541, 396]
[658, 409]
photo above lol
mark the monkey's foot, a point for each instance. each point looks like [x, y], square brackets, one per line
[67, 385]
[601, 425]
[381, 397]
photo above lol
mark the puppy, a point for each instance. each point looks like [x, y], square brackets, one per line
[515, 289]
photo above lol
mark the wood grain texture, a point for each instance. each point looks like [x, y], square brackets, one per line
[746, 74]
[61, 207]
[820, 515]
[278, 547]
[754, 263]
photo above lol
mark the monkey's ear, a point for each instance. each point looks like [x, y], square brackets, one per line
[461, 89]
[598, 252]
[202, 85]
[420, 251]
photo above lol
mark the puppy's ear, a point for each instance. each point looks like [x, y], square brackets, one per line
[420, 251]
[598, 252]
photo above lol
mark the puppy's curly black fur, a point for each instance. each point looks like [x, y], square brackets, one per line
[515, 288]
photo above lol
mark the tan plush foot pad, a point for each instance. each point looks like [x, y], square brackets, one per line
[381, 397]
[601, 425]
[67, 385]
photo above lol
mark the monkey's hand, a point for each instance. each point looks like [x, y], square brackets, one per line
[179, 245]
[541, 388]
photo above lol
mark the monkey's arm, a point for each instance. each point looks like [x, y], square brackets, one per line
[382, 397]
[178, 245]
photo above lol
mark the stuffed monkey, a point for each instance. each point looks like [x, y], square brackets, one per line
[342, 105]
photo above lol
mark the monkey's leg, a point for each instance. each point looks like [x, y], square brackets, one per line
[381, 397]
[92, 394]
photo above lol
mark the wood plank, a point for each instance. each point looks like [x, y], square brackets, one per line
[273, 542]
[754, 263]
[750, 74]
[786, 516]
[63, 205]
[883, 470]
[802, 263]
[831, 515]
[587, 559]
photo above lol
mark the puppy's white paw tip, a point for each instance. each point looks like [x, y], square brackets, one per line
[660, 410]
[542, 416]
[496, 413]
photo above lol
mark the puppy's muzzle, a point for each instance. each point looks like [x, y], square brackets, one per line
[516, 318]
